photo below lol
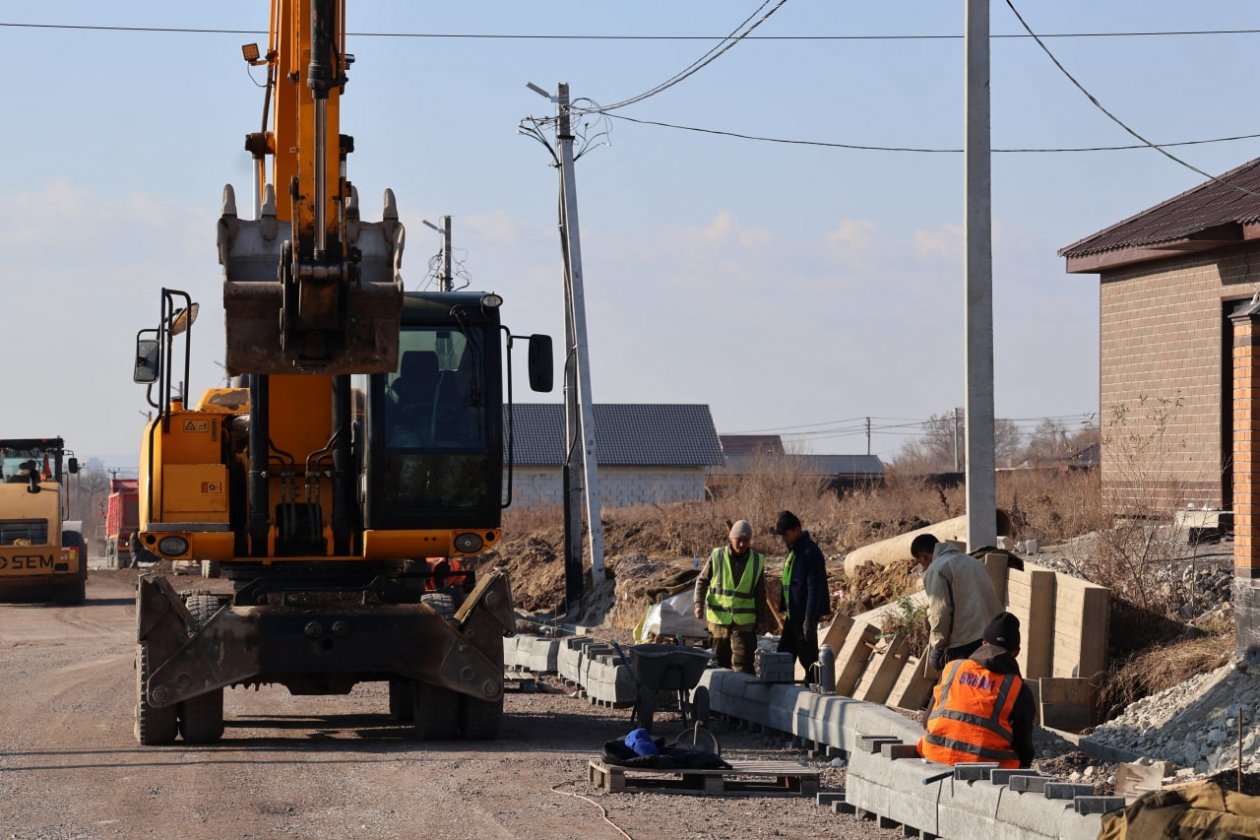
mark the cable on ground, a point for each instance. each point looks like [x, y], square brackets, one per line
[603, 812]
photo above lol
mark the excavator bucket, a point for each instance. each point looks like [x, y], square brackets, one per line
[284, 317]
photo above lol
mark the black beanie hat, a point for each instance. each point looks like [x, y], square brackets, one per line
[1003, 631]
[786, 522]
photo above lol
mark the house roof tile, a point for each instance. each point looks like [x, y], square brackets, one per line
[626, 434]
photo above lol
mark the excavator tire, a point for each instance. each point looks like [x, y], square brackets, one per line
[72, 593]
[435, 712]
[479, 720]
[443, 603]
[201, 717]
[153, 726]
[400, 708]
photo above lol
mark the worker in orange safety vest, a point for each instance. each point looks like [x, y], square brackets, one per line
[981, 710]
[444, 572]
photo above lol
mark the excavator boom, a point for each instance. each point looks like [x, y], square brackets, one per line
[308, 286]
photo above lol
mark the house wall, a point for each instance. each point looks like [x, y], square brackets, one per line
[1162, 355]
[618, 486]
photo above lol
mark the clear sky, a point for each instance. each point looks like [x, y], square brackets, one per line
[782, 285]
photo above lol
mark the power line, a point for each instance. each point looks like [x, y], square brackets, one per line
[737, 35]
[517, 36]
[922, 149]
[1094, 101]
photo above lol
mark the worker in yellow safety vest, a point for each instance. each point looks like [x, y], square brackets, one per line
[981, 709]
[730, 594]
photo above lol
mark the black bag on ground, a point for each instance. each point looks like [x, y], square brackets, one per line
[670, 758]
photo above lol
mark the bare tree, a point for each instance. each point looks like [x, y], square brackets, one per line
[942, 447]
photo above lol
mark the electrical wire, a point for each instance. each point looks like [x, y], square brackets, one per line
[603, 812]
[511, 36]
[1094, 101]
[705, 60]
[923, 149]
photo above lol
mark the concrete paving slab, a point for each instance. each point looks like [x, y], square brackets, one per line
[1066, 790]
[974, 771]
[1003, 776]
[1097, 804]
[1030, 784]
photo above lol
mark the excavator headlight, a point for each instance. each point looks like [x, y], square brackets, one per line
[491, 301]
[468, 543]
[173, 546]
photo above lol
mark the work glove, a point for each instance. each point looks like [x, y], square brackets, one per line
[937, 657]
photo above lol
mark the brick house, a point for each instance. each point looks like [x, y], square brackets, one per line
[1170, 279]
[648, 454]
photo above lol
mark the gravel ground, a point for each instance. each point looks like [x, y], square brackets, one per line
[326, 767]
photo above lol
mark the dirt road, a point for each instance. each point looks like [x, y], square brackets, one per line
[326, 767]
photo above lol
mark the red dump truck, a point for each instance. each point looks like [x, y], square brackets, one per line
[121, 515]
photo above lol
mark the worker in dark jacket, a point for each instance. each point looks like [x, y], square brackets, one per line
[805, 597]
[981, 710]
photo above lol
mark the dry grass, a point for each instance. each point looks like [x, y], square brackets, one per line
[909, 620]
[1049, 506]
[1154, 669]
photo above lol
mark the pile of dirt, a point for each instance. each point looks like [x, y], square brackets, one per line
[873, 585]
[1079, 767]
[535, 567]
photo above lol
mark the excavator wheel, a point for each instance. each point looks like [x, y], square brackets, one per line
[400, 703]
[480, 719]
[442, 602]
[201, 717]
[435, 712]
[153, 726]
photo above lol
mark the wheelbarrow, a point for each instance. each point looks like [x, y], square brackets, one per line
[671, 671]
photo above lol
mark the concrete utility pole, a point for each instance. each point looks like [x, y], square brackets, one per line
[978, 233]
[579, 436]
[444, 279]
[445, 284]
[868, 436]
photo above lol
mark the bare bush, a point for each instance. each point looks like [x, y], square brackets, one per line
[1127, 557]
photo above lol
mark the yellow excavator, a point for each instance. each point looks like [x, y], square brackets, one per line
[365, 430]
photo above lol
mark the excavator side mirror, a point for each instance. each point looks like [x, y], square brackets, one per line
[72, 465]
[541, 372]
[146, 361]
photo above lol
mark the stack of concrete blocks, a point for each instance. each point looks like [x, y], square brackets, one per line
[513, 656]
[823, 719]
[775, 667]
[608, 680]
[531, 653]
[886, 778]
[543, 654]
[570, 656]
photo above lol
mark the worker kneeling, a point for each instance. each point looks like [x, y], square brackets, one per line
[981, 710]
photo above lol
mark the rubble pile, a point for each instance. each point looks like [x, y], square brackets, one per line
[1195, 723]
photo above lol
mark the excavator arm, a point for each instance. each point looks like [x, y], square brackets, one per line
[308, 286]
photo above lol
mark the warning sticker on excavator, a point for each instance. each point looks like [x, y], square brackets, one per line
[196, 425]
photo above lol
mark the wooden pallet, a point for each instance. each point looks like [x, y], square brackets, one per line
[520, 681]
[745, 778]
